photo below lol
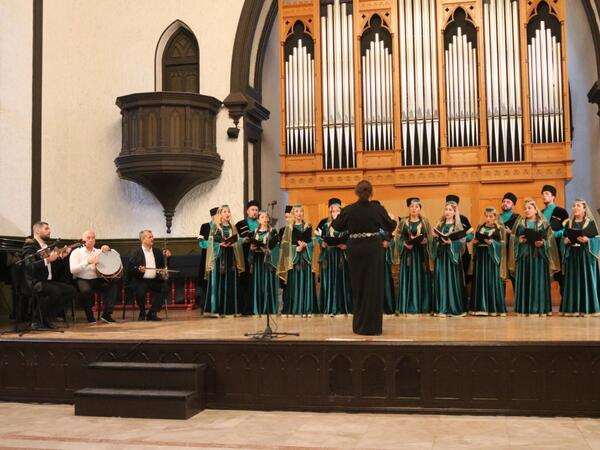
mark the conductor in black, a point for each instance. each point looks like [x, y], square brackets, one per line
[364, 220]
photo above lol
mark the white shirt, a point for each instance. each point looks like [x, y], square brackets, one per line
[78, 263]
[150, 262]
[48, 265]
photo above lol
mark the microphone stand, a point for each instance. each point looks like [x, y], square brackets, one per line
[271, 206]
[268, 334]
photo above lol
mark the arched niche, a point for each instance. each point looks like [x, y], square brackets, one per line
[177, 37]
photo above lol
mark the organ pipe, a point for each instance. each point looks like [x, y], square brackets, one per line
[406, 47]
[462, 86]
[503, 80]
[378, 118]
[418, 79]
[299, 100]
[545, 79]
[338, 105]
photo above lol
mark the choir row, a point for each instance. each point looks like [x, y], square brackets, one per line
[246, 262]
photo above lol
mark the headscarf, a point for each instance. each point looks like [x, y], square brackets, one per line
[423, 228]
[271, 255]
[542, 225]
[540, 220]
[588, 220]
[269, 227]
[457, 225]
[490, 210]
[498, 227]
[210, 249]
[286, 253]
[330, 215]
[589, 216]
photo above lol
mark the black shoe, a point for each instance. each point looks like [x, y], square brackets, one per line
[89, 315]
[153, 317]
[49, 325]
[107, 318]
[142, 315]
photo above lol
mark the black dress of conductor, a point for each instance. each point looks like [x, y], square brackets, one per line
[364, 220]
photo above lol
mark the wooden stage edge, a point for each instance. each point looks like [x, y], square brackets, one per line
[473, 365]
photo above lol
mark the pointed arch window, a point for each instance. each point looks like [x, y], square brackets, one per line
[181, 68]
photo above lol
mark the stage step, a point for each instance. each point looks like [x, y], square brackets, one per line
[146, 390]
[142, 403]
[174, 376]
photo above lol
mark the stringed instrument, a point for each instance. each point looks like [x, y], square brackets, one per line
[61, 251]
[164, 273]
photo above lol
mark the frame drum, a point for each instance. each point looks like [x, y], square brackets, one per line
[109, 266]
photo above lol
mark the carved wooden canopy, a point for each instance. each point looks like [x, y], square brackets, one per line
[168, 144]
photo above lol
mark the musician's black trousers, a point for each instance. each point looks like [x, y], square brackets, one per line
[87, 289]
[155, 287]
[58, 297]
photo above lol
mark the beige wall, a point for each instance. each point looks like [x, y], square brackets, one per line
[16, 24]
[586, 134]
[95, 52]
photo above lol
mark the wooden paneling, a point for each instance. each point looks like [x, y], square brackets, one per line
[545, 378]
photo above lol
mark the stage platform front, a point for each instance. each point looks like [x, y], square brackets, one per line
[470, 365]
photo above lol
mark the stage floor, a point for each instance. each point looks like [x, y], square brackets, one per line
[191, 325]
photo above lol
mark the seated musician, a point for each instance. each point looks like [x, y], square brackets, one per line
[42, 272]
[83, 267]
[145, 274]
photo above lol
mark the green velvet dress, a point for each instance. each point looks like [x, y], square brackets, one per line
[532, 267]
[336, 294]
[448, 286]
[263, 268]
[222, 286]
[300, 292]
[414, 278]
[487, 294]
[581, 295]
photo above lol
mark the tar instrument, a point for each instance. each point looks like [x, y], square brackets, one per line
[162, 271]
[109, 266]
[61, 251]
[165, 273]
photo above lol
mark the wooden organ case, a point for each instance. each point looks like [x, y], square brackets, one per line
[425, 98]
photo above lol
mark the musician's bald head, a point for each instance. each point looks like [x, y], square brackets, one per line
[87, 233]
[89, 238]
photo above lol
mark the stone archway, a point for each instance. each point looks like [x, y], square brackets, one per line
[245, 99]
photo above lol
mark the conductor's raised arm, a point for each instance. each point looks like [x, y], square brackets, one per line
[387, 223]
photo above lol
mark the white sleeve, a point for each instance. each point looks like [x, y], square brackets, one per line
[75, 264]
